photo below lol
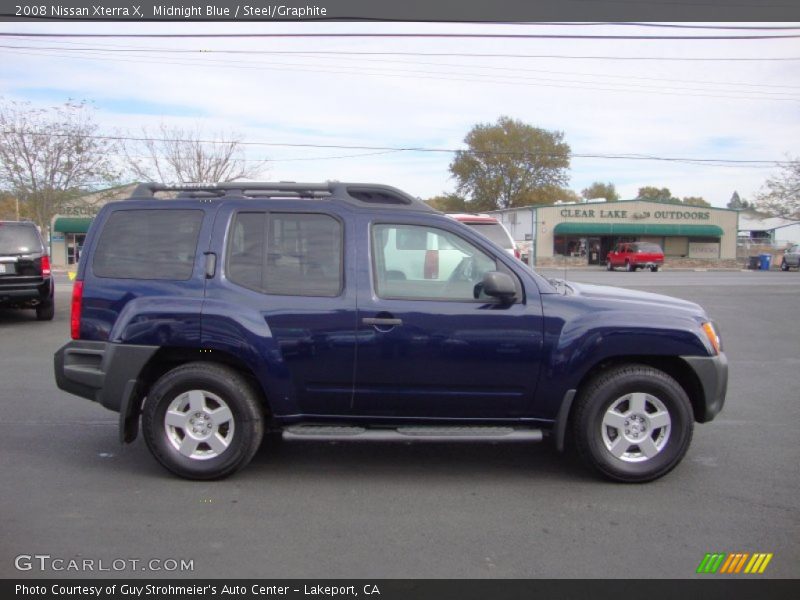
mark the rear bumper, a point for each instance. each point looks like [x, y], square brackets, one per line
[101, 371]
[25, 292]
[712, 372]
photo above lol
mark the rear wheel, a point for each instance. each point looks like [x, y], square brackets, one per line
[609, 266]
[784, 266]
[46, 311]
[633, 424]
[654, 268]
[203, 421]
[629, 267]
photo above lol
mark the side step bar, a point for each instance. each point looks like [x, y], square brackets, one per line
[429, 433]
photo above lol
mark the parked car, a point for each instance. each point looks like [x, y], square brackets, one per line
[318, 311]
[791, 258]
[25, 277]
[491, 228]
[636, 255]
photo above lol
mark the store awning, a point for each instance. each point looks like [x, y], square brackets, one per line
[72, 224]
[638, 229]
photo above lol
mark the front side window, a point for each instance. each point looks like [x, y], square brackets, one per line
[290, 254]
[425, 263]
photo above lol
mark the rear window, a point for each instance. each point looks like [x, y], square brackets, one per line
[649, 248]
[148, 244]
[495, 232]
[19, 238]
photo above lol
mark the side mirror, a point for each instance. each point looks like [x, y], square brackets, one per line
[499, 285]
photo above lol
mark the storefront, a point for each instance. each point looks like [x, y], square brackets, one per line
[584, 233]
[68, 228]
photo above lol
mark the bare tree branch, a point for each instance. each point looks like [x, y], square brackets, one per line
[178, 155]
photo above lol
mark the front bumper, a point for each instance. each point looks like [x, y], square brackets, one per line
[712, 372]
[101, 371]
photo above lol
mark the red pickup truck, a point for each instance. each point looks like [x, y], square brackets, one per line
[635, 255]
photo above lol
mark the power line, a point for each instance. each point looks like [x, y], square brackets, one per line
[383, 35]
[438, 54]
[439, 76]
[103, 50]
[616, 156]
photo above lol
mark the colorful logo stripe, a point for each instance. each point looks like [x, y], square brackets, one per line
[722, 562]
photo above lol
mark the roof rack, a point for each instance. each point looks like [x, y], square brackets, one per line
[358, 194]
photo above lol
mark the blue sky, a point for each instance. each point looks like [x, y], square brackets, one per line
[669, 108]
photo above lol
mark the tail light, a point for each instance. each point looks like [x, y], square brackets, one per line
[517, 253]
[46, 266]
[431, 264]
[75, 315]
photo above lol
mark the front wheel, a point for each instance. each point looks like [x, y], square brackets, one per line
[203, 421]
[629, 267]
[609, 266]
[654, 268]
[633, 424]
[784, 266]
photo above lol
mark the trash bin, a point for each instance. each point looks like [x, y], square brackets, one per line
[765, 260]
[754, 263]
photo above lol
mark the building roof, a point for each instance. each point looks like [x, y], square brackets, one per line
[594, 204]
[751, 222]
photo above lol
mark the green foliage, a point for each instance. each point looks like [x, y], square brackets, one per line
[511, 164]
[695, 201]
[737, 203]
[601, 190]
[447, 203]
[656, 195]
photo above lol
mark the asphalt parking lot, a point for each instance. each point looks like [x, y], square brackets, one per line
[393, 510]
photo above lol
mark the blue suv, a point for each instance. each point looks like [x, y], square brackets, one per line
[345, 311]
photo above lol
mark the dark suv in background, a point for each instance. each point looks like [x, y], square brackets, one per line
[25, 277]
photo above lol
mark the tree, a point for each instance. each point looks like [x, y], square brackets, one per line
[177, 155]
[695, 201]
[781, 196]
[601, 190]
[736, 203]
[656, 194]
[507, 163]
[447, 203]
[51, 155]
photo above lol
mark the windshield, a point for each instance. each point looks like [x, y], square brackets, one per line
[19, 238]
[495, 232]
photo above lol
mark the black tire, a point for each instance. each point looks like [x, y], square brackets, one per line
[629, 267]
[615, 388]
[608, 266]
[654, 268]
[46, 311]
[243, 430]
[784, 266]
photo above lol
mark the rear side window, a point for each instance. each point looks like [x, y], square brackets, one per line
[289, 254]
[645, 247]
[148, 244]
[19, 238]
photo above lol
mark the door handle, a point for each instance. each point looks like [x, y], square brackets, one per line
[382, 322]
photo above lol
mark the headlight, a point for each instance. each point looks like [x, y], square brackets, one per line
[713, 336]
